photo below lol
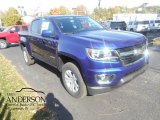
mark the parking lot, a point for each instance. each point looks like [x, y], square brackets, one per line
[136, 100]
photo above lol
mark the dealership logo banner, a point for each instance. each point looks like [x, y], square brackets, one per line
[25, 99]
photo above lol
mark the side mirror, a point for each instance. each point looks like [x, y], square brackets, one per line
[47, 33]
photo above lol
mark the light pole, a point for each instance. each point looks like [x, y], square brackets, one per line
[21, 9]
[99, 6]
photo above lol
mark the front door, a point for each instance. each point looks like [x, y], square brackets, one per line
[50, 44]
[13, 35]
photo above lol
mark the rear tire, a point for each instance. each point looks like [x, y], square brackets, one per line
[3, 44]
[73, 81]
[29, 60]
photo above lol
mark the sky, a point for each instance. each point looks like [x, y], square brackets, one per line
[46, 5]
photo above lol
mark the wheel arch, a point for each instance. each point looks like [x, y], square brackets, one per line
[3, 38]
[67, 58]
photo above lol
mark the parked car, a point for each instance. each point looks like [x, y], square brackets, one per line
[157, 24]
[115, 25]
[91, 59]
[138, 26]
[10, 35]
[154, 25]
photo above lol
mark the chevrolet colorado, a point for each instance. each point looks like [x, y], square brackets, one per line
[91, 59]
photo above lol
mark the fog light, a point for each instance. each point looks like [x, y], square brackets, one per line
[105, 78]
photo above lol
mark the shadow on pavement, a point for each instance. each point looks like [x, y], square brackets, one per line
[48, 67]
[51, 69]
[53, 110]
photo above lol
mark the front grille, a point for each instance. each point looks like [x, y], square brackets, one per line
[131, 54]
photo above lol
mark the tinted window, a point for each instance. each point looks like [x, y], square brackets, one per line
[15, 29]
[151, 22]
[24, 28]
[36, 26]
[157, 21]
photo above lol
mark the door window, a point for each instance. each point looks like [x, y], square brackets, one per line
[15, 29]
[24, 28]
[47, 25]
[36, 26]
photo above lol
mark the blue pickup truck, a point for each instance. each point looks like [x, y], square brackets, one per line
[91, 59]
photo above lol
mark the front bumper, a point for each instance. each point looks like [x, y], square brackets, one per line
[125, 79]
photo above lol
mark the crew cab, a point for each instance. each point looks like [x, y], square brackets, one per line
[91, 59]
[10, 35]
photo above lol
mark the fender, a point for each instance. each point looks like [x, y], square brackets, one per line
[24, 43]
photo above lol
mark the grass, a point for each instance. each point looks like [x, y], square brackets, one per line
[10, 81]
[156, 41]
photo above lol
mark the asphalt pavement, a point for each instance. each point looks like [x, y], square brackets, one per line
[137, 100]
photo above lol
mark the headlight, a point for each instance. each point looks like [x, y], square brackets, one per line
[106, 54]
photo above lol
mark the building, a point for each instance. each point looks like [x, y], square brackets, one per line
[134, 17]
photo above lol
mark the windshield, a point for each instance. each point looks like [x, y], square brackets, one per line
[76, 24]
[6, 29]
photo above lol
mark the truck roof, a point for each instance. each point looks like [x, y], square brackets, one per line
[54, 16]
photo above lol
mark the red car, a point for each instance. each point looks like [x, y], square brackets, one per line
[10, 35]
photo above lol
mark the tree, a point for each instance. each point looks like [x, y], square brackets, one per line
[11, 17]
[107, 13]
[102, 14]
[1, 14]
[80, 10]
[62, 10]
[54, 11]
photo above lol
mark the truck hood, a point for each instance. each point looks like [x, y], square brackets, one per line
[113, 39]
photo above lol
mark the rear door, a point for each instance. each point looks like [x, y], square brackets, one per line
[35, 40]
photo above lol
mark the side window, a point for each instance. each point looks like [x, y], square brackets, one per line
[24, 28]
[15, 29]
[36, 26]
[47, 25]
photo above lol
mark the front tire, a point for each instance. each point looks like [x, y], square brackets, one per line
[29, 60]
[3, 44]
[73, 81]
